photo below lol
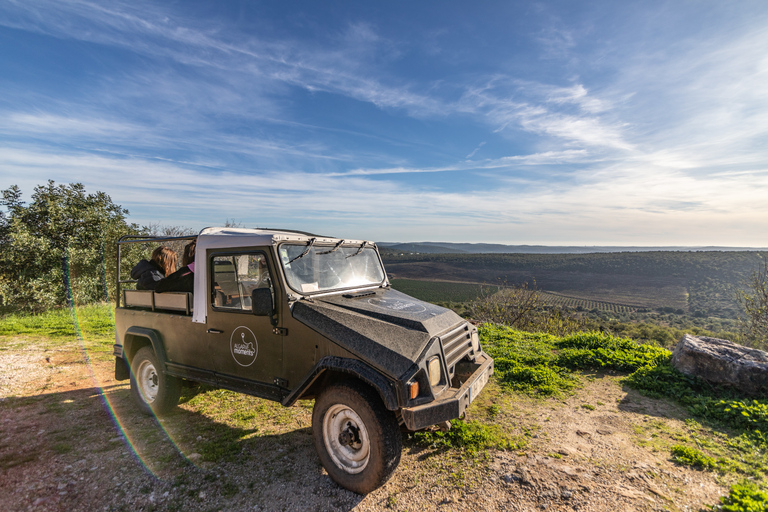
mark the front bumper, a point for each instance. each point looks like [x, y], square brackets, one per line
[452, 402]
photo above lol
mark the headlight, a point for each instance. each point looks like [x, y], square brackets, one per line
[475, 341]
[435, 371]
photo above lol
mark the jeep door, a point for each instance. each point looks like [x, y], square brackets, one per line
[246, 353]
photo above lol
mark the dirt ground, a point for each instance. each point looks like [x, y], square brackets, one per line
[71, 439]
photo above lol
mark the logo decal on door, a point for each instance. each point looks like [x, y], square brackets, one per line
[243, 346]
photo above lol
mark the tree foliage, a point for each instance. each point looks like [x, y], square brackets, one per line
[58, 248]
[754, 303]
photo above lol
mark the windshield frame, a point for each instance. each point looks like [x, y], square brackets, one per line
[327, 245]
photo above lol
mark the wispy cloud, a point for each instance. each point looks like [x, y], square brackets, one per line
[657, 138]
[601, 207]
[474, 151]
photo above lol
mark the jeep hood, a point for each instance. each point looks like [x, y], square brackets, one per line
[387, 329]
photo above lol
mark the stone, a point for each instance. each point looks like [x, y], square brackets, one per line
[723, 362]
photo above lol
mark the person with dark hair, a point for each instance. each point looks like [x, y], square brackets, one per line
[149, 273]
[183, 280]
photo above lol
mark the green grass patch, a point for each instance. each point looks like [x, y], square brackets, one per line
[688, 456]
[471, 436]
[745, 497]
[542, 364]
[722, 407]
[525, 361]
[94, 321]
[597, 351]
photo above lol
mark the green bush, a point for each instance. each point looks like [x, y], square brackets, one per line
[58, 250]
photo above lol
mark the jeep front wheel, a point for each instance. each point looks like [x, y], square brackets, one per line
[356, 437]
[153, 390]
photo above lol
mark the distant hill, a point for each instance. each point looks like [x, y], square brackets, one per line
[480, 248]
[425, 248]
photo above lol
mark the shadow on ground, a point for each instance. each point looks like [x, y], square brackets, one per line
[74, 449]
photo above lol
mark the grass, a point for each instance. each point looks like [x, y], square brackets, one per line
[745, 497]
[471, 436]
[545, 365]
[226, 424]
[688, 456]
[95, 321]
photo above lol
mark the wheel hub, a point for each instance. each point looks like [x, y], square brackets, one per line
[349, 436]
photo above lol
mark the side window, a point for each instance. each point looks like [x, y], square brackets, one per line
[235, 276]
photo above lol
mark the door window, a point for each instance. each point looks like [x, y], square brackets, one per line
[235, 276]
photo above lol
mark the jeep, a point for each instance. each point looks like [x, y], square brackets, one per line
[286, 315]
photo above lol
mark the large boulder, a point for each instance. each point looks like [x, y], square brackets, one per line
[723, 362]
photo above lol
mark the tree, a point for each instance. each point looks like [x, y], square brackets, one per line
[522, 307]
[512, 305]
[753, 324]
[55, 251]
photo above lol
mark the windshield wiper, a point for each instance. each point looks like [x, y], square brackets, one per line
[359, 250]
[335, 247]
[309, 246]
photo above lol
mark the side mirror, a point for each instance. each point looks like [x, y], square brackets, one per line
[261, 302]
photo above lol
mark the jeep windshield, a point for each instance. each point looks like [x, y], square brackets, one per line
[313, 268]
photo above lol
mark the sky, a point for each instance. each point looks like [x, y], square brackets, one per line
[553, 122]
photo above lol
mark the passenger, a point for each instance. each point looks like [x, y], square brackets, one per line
[183, 280]
[149, 273]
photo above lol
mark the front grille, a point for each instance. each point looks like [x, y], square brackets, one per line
[456, 343]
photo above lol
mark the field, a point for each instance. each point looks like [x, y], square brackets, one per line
[582, 304]
[700, 284]
[587, 300]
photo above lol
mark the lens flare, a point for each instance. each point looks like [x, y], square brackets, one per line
[129, 439]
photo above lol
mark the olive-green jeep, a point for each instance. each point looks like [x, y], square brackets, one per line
[285, 315]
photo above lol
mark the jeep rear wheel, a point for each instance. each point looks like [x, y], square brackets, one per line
[356, 437]
[154, 391]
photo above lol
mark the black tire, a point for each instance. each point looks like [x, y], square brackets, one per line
[357, 439]
[155, 392]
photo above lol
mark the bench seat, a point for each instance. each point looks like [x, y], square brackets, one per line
[168, 301]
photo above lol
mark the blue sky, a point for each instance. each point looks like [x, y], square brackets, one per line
[557, 122]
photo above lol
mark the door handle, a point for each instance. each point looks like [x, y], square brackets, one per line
[214, 331]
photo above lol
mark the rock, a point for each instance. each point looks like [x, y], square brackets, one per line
[511, 478]
[723, 362]
[525, 475]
